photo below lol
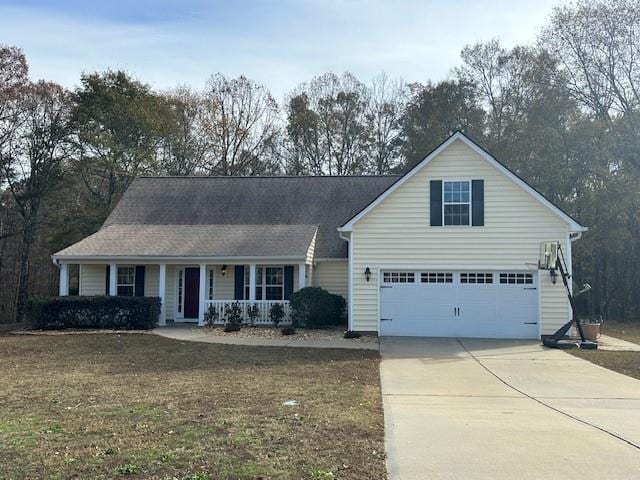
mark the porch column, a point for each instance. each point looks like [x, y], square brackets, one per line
[302, 271]
[113, 275]
[162, 320]
[64, 280]
[252, 282]
[203, 291]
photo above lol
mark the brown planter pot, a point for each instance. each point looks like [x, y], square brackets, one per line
[591, 331]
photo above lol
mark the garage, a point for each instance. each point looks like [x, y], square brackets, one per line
[475, 304]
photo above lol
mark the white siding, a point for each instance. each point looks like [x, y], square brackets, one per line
[333, 277]
[93, 279]
[396, 234]
[170, 292]
[151, 280]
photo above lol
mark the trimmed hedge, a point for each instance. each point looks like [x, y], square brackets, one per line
[314, 307]
[101, 312]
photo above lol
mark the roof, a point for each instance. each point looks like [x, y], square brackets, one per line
[231, 207]
[195, 241]
[458, 135]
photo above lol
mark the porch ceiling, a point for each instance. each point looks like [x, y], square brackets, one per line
[195, 241]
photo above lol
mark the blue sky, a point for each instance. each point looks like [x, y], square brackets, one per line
[279, 43]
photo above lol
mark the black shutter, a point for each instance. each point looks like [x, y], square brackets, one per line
[477, 203]
[238, 291]
[139, 287]
[288, 281]
[436, 203]
[106, 283]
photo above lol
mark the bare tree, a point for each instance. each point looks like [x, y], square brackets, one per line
[239, 124]
[185, 145]
[387, 100]
[327, 125]
[597, 44]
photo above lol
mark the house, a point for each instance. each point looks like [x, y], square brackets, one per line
[450, 248]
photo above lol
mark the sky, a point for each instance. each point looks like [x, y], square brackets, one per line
[278, 43]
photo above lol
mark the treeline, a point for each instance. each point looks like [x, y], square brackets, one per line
[562, 113]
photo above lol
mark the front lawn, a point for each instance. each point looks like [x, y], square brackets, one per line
[627, 363]
[142, 406]
[629, 331]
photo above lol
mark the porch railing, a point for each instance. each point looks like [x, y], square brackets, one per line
[264, 307]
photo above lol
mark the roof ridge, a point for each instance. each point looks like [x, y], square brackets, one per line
[267, 176]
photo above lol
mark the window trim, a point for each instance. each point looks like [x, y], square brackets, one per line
[132, 268]
[261, 282]
[211, 283]
[527, 278]
[389, 278]
[436, 277]
[472, 277]
[469, 203]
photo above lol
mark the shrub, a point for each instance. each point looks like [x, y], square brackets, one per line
[122, 313]
[288, 330]
[314, 307]
[233, 314]
[211, 316]
[276, 313]
[252, 312]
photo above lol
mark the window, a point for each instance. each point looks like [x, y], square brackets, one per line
[274, 283]
[475, 277]
[212, 282]
[180, 286]
[436, 277]
[516, 278]
[456, 203]
[74, 279]
[398, 277]
[126, 281]
[269, 283]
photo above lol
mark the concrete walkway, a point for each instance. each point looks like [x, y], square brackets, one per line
[490, 409]
[190, 334]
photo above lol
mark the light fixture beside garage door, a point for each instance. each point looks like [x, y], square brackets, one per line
[367, 274]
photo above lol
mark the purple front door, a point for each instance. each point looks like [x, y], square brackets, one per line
[191, 292]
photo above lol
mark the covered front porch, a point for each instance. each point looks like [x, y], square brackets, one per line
[188, 290]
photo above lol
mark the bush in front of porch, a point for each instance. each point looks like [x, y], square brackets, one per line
[314, 307]
[99, 312]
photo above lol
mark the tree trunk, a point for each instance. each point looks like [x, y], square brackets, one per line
[23, 281]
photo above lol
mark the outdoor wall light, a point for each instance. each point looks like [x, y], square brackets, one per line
[554, 275]
[224, 270]
[367, 274]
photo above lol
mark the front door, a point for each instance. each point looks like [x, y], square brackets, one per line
[191, 292]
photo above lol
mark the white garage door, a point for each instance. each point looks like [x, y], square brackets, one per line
[459, 304]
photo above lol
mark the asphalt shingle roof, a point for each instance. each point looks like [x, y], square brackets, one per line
[196, 241]
[168, 214]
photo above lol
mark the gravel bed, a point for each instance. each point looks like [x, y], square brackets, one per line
[301, 333]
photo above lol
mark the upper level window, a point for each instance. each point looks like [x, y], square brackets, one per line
[126, 281]
[456, 203]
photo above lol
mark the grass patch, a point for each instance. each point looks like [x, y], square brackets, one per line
[629, 331]
[142, 406]
[627, 363]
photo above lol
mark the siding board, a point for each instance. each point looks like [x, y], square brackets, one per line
[397, 234]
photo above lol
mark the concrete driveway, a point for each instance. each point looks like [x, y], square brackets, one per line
[500, 409]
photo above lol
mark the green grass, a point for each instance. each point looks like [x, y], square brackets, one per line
[142, 406]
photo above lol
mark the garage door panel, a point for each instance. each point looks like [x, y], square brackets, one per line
[493, 306]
